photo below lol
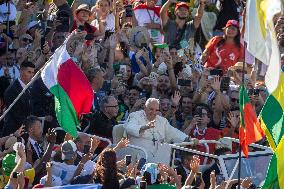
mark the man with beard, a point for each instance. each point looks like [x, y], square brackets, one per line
[184, 117]
[179, 29]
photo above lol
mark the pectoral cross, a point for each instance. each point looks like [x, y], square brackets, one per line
[154, 141]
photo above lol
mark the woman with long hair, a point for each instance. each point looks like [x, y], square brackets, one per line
[222, 52]
[103, 12]
[106, 170]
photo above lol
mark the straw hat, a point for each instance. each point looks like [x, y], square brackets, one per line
[239, 66]
[138, 36]
[84, 7]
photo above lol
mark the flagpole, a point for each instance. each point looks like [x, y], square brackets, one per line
[240, 147]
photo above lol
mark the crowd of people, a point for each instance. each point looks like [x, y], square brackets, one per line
[168, 71]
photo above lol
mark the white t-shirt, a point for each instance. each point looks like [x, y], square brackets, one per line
[14, 72]
[63, 171]
[66, 172]
[144, 16]
[4, 10]
[110, 23]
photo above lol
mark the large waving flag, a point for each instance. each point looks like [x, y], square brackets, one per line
[272, 120]
[262, 43]
[70, 87]
[250, 130]
[261, 38]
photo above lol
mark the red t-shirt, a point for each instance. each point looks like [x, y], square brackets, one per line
[224, 56]
[87, 27]
[210, 134]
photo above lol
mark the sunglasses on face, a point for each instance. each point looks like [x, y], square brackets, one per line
[241, 71]
[114, 106]
[235, 100]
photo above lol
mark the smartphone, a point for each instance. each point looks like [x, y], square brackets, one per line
[216, 72]
[153, 76]
[210, 77]
[80, 28]
[141, 163]
[219, 179]
[251, 92]
[42, 42]
[180, 53]
[90, 36]
[143, 185]
[106, 86]
[144, 45]
[142, 95]
[256, 92]
[86, 149]
[122, 69]
[108, 33]
[127, 159]
[63, 18]
[60, 134]
[198, 179]
[184, 82]
[128, 11]
[19, 139]
[15, 175]
[225, 82]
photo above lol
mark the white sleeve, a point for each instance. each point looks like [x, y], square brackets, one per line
[173, 134]
[132, 126]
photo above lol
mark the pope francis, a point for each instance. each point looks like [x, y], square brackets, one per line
[147, 129]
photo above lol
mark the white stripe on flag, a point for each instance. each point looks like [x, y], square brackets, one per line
[49, 73]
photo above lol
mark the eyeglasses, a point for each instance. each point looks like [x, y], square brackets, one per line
[27, 40]
[59, 37]
[241, 71]
[114, 106]
[235, 100]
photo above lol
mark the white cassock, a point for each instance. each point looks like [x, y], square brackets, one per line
[151, 139]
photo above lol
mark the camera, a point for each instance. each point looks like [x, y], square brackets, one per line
[128, 11]
[108, 33]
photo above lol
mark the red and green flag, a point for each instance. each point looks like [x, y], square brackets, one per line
[71, 89]
[250, 129]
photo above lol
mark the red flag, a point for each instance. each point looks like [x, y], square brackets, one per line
[250, 130]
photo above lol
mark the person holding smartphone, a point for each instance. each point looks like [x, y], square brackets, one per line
[225, 51]
[199, 128]
[148, 15]
[82, 16]
[179, 29]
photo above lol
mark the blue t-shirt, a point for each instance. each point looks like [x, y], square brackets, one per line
[134, 65]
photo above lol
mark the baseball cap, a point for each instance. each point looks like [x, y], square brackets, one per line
[55, 181]
[8, 164]
[84, 7]
[232, 23]
[181, 4]
[68, 150]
